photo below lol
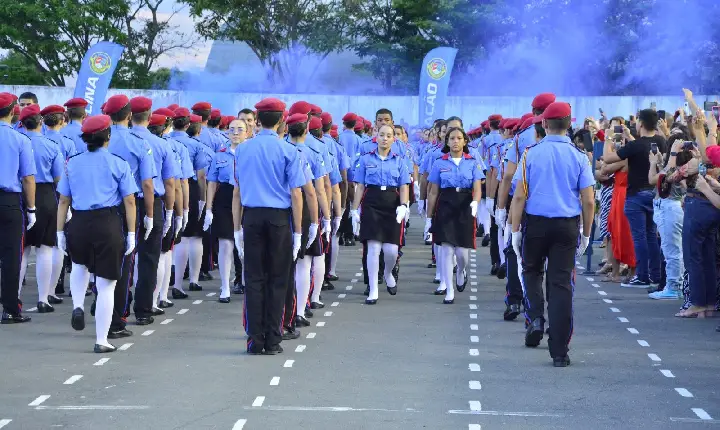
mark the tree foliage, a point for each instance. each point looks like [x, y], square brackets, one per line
[17, 70]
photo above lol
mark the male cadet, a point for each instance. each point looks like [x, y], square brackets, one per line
[215, 124]
[250, 119]
[351, 143]
[135, 150]
[267, 197]
[26, 99]
[148, 246]
[338, 181]
[76, 114]
[491, 151]
[554, 186]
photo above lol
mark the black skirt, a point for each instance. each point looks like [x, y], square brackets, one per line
[453, 223]
[194, 227]
[316, 248]
[377, 219]
[222, 226]
[45, 228]
[96, 240]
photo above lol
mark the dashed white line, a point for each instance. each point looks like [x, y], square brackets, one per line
[700, 412]
[320, 324]
[275, 380]
[473, 276]
[32, 310]
[596, 285]
[182, 311]
[348, 288]
[73, 379]
[474, 327]
[259, 400]
[475, 385]
[289, 363]
[623, 319]
[473, 306]
[473, 290]
[353, 281]
[40, 400]
[633, 330]
[148, 332]
[643, 343]
[602, 293]
[197, 302]
[683, 392]
[125, 347]
[590, 279]
[473, 316]
[473, 270]
[473, 298]
[239, 424]
[300, 348]
[474, 367]
[473, 283]
[342, 296]
[358, 274]
[311, 336]
[101, 362]
[607, 301]
[615, 310]
[334, 304]
[167, 321]
[5, 422]
[474, 352]
[474, 427]
[667, 373]
[475, 405]
[474, 339]
[654, 357]
[580, 267]
[328, 314]
[211, 294]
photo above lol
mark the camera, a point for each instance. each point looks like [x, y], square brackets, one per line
[688, 145]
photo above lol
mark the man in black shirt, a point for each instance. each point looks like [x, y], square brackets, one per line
[640, 194]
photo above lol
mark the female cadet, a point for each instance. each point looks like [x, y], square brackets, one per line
[452, 204]
[221, 182]
[95, 236]
[382, 179]
[49, 164]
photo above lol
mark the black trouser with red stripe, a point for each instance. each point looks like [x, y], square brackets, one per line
[12, 228]
[494, 247]
[290, 301]
[148, 257]
[513, 288]
[123, 296]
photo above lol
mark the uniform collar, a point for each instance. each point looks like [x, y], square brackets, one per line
[120, 128]
[464, 157]
[556, 138]
[267, 132]
[4, 124]
[33, 133]
[140, 128]
[391, 154]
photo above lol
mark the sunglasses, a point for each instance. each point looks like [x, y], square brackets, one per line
[239, 130]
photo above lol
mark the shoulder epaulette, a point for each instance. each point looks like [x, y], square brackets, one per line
[136, 135]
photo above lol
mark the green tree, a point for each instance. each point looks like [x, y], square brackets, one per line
[17, 70]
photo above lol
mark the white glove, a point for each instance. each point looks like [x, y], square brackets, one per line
[500, 216]
[61, 242]
[516, 240]
[168, 222]
[400, 213]
[489, 203]
[208, 220]
[297, 237]
[201, 206]
[32, 219]
[130, 243]
[186, 216]
[473, 208]
[312, 234]
[178, 226]
[326, 228]
[428, 224]
[148, 224]
[239, 243]
[68, 217]
[584, 242]
[421, 207]
[336, 225]
[355, 216]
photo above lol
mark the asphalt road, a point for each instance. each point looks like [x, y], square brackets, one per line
[409, 362]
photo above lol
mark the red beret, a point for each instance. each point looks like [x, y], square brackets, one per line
[164, 111]
[326, 118]
[157, 119]
[359, 124]
[29, 111]
[527, 123]
[503, 122]
[215, 114]
[285, 115]
[367, 123]
[350, 117]
[76, 102]
[485, 123]
[16, 110]
[49, 110]
[315, 123]
[315, 110]
[334, 133]
[713, 154]
[557, 110]
[296, 118]
[543, 100]
[115, 103]
[140, 104]
[300, 107]
[537, 119]
[195, 118]
[181, 112]
[526, 116]
[202, 106]
[495, 117]
[226, 120]
[270, 105]
[230, 118]
[334, 127]
[6, 99]
[173, 106]
[96, 123]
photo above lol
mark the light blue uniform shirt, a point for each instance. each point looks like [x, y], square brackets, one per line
[222, 138]
[319, 147]
[524, 139]
[209, 139]
[110, 176]
[555, 175]
[373, 170]
[488, 147]
[135, 150]
[182, 158]
[335, 157]
[196, 152]
[266, 168]
[48, 158]
[163, 157]
[351, 142]
[429, 158]
[73, 131]
[310, 157]
[66, 145]
[222, 168]
[16, 158]
[448, 175]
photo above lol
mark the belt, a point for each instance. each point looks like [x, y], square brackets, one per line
[383, 187]
[8, 193]
[457, 189]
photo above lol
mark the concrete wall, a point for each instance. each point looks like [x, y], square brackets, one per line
[405, 109]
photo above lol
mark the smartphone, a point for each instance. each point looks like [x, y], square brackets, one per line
[654, 148]
[618, 129]
[661, 114]
[686, 108]
[688, 144]
[702, 170]
[709, 106]
[716, 112]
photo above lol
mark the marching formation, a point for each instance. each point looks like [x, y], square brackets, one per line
[132, 202]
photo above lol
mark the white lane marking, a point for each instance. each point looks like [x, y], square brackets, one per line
[474, 352]
[602, 293]
[310, 335]
[211, 294]
[473, 270]
[472, 306]
[334, 304]
[259, 400]
[683, 392]
[358, 274]
[40, 400]
[473, 298]
[320, 324]
[348, 288]
[623, 319]
[580, 267]
[167, 321]
[352, 281]
[475, 405]
[182, 311]
[197, 302]
[667, 373]
[633, 330]
[473, 316]
[474, 427]
[590, 279]
[474, 327]
[92, 408]
[275, 380]
[473, 283]
[700, 412]
[615, 310]
[474, 367]
[596, 285]
[473, 276]
[474, 339]
[32, 309]
[300, 348]
[148, 332]
[607, 301]
[475, 385]
[473, 264]
[101, 362]
[5, 422]
[643, 343]
[73, 379]
[341, 296]
[125, 347]
[328, 314]
[289, 363]
[473, 290]
[239, 424]
[654, 357]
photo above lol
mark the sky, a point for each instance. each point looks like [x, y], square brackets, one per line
[184, 60]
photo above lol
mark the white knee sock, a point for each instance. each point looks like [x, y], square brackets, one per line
[196, 255]
[318, 267]
[390, 251]
[462, 255]
[43, 271]
[446, 255]
[483, 216]
[507, 233]
[225, 261]
[160, 277]
[501, 246]
[79, 279]
[302, 282]
[103, 308]
[181, 251]
[57, 265]
[440, 263]
[23, 267]
[165, 284]
[373, 265]
[334, 252]
[436, 248]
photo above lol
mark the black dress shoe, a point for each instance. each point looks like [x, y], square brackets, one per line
[436, 281]
[163, 304]
[254, 351]
[431, 265]
[448, 302]
[144, 320]
[194, 287]
[172, 275]
[563, 361]
[316, 305]
[238, 288]
[157, 311]
[102, 349]
[535, 332]
[205, 276]
[44, 308]
[396, 272]
[493, 269]
[350, 242]
[380, 280]
[300, 321]
[77, 321]
[54, 300]
[502, 271]
[327, 286]
[224, 300]
[273, 350]
[392, 290]
[308, 313]
[461, 288]
[439, 292]
[370, 301]
[177, 294]
[8, 318]
[290, 334]
[119, 334]
[486, 240]
[511, 312]
[332, 278]
[93, 305]
[367, 290]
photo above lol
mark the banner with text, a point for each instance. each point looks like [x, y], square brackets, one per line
[96, 72]
[434, 81]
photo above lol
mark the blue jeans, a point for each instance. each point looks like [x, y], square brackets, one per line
[669, 220]
[639, 213]
[698, 238]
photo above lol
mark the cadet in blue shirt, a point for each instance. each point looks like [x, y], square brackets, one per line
[351, 143]
[96, 233]
[205, 136]
[76, 114]
[217, 128]
[490, 153]
[17, 170]
[266, 201]
[49, 163]
[554, 187]
[53, 119]
[382, 179]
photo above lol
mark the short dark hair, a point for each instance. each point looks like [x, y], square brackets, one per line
[649, 119]
[181, 122]
[455, 118]
[350, 124]
[558, 124]
[122, 115]
[384, 111]
[269, 119]
[494, 124]
[194, 129]
[316, 132]
[53, 119]
[214, 122]
[96, 140]
[141, 116]
[358, 132]
[157, 130]
[204, 113]
[327, 127]
[32, 122]
[76, 113]
[29, 95]
[539, 130]
[297, 129]
[246, 111]
[4, 112]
